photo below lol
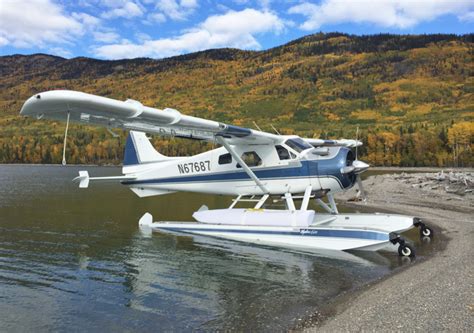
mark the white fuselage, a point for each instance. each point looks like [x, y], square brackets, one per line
[217, 173]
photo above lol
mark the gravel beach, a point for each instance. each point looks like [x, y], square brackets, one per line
[436, 294]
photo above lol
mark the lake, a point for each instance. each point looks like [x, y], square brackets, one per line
[75, 259]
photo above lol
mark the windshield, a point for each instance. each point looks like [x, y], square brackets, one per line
[298, 144]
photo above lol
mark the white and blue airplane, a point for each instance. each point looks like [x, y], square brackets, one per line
[254, 166]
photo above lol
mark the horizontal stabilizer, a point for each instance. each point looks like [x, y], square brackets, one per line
[84, 179]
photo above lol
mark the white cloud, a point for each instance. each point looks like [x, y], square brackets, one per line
[59, 51]
[155, 18]
[232, 29]
[3, 41]
[176, 10]
[36, 23]
[141, 36]
[126, 10]
[89, 22]
[189, 3]
[385, 13]
[106, 37]
[467, 17]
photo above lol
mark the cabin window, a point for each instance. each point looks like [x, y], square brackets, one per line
[282, 152]
[225, 159]
[250, 158]
[298, 144]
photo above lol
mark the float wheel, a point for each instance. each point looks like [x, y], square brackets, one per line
[426, 232]
[406, 250]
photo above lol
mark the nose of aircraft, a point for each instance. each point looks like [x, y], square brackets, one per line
[359, 166]
[355, 169]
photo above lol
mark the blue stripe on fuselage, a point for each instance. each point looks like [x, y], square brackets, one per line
[225, 176]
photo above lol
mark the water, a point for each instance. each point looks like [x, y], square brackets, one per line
[74, 259]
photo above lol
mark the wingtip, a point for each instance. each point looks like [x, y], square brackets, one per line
[28, 106]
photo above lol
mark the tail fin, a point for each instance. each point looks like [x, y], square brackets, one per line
[139, 150]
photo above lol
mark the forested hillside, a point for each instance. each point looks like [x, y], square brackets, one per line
[411, 96]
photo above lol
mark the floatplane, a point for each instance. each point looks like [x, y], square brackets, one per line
[252, 165]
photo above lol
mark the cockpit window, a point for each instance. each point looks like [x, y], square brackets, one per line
[251, 159]
[298, 144]
[283, 154]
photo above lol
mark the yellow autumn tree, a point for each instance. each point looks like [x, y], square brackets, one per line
[461, 141]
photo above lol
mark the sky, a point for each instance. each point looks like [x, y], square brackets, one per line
[117, 29]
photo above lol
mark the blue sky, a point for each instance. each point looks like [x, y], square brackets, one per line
[116, 29]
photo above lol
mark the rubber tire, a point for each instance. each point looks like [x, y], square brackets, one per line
[426, 232]
[406, 251]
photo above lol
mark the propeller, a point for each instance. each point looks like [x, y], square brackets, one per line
[357, 167]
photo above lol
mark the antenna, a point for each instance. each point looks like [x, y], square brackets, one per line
[257, 126]
[357, 141]
[276, 131]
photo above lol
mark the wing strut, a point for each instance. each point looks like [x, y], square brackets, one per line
[65, 138]
[249, 172]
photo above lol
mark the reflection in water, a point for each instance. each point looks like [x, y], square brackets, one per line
[75, 258]
[248, 287]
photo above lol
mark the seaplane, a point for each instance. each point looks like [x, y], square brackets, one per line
[256, 167]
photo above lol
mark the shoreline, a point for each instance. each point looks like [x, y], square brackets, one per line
[432, 293]
[422, 169]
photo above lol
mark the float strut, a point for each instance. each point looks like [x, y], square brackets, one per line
[289, 201]
[332, 202]
[306, 197]
[261, 201]
[235, 201]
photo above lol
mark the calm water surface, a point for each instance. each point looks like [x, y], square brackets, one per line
[75, 260]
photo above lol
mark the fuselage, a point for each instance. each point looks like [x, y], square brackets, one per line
[281, 168]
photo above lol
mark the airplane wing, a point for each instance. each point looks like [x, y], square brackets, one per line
[90, 109]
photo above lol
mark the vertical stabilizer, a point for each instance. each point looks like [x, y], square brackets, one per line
[139, 150]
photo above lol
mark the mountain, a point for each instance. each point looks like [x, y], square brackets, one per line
[410, 95]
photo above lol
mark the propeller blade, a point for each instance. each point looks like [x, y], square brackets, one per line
[348, 169]
[357, 140]
[361, 188]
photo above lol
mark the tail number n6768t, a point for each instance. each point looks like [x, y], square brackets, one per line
[193, 167]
